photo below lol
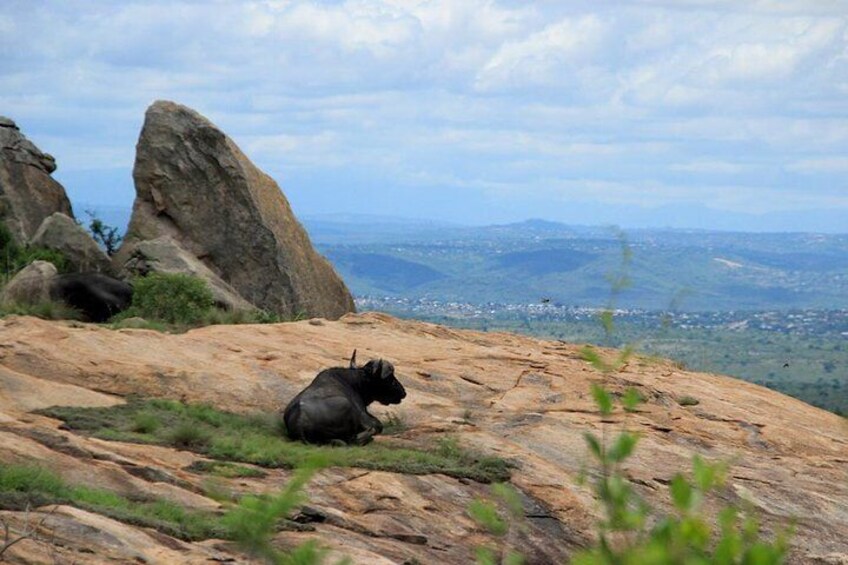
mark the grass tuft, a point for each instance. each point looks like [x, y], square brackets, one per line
[688, 401]
[47, 310]
[226, 470]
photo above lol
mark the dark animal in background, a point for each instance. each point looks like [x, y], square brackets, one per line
[334, 407]
[97, 296]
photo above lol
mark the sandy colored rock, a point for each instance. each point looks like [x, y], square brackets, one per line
[26, 393]
[164, 255]
[28, 194]
[195, 185]
[63, 234]
[31, 285]
[523, 399]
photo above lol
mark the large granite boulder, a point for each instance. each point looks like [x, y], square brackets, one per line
[164, 255]
[63, 234]
[28, 194]
[194, 184]
[31, 285]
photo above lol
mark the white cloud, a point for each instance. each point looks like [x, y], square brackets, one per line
[636, 101]
[820, 165]
[767, 49]
[710, 167]
[542, 57]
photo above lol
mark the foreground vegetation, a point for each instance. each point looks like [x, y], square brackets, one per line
[259, 440]
[239, 446]
[26, 486]
[630, 532]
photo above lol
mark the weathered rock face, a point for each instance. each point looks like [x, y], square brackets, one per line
[28, 194]
[31, 285]
[61, 233]
[519, 398]
[164, 255]
[194, 184]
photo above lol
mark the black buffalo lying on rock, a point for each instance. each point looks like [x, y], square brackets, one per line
[97, 296]
[334, 407]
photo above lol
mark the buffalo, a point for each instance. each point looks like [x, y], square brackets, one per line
[98, 297]
[334, 407]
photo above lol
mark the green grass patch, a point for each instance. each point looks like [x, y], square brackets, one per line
[46, 310]
[23, 486]
[259, 440]
[226, 470]
[132, 319]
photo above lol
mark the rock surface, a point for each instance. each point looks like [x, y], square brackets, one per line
[523, 399]
[30, 285]
[28, 194]
[164, 255]
[194, 184]
[63, 234]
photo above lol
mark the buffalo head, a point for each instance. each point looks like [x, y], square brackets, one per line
[382, 383]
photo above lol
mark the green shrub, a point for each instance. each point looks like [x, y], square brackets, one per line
[255, 520]
[498, 517]
[14, 257]
[170, 298]
[105, 235]
[687, 536]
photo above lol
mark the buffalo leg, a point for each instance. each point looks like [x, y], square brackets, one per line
[365, 437]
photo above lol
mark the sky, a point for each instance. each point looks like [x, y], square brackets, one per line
[685, 113]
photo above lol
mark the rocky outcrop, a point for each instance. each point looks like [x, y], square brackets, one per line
[195, 185]
[28, 194]
[31, 285]
[164, 255]
[81, 252]
[522, 399]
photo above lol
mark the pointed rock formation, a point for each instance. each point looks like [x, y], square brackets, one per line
[195, 185]
[28, 194]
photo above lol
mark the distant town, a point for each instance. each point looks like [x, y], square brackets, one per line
[805, 323]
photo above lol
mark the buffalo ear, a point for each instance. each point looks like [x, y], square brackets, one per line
[374, 368]
[353, 360]
[386, 369]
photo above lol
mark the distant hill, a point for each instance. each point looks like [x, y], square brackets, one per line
[523, 262]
